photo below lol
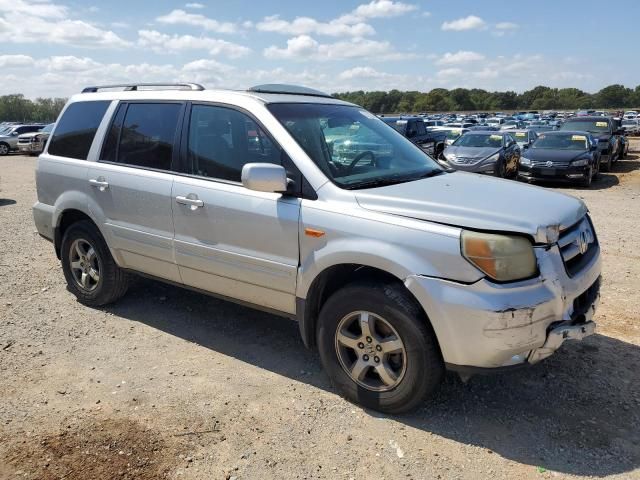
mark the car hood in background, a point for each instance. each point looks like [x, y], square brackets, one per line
[478, 153]
[31, 134]
[473, 201]
[553, 155]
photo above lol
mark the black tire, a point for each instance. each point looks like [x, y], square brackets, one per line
[607, 166]
[424, 366]
[4, 149]
[586, 183]
[501, 169]
[113, 281]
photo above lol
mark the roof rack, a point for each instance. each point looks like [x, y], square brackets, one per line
[132, 87]
[288, 89]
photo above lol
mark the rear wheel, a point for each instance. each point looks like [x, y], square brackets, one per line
[378, 348]
[91, 273]
[4, 149]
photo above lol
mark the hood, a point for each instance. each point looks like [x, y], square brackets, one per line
[31, 134]
[477, 153]
[552, 155]
[478, 202]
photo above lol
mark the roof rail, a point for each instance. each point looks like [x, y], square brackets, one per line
[288, 89]
[132, 87]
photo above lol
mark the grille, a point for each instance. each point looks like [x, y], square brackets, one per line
[465, 160]
[555, 164]
[583, 302]
[24, 140]
[578, 245]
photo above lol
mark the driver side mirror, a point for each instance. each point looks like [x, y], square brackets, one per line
[264, 177]
[13, 134]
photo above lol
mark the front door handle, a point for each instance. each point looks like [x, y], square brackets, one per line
[191, 200]
[99, 183]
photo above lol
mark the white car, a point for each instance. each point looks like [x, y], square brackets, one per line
[631, 115]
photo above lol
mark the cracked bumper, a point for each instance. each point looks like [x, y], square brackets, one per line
[487, 325]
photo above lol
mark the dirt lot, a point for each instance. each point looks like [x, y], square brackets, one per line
[172, 384]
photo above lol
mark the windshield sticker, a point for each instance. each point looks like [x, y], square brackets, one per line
[601, 124]
[579, 137]
[496, 137]
[457, 132]
[521, 134]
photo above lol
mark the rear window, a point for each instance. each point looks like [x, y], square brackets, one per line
[77, 127]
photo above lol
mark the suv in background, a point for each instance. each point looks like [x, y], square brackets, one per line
[606, 131]
[395, 268]
[430, 139]
[9, 136]
[33, 143]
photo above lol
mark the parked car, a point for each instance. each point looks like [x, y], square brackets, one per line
[512, 125]
[33, 143]
[569, 156]
[631, 114]
[395, 268]
[610, 145]
[9, 137]
[452, 133]
[431, 140]
[524, 138]
[496, 153]
[433, 123]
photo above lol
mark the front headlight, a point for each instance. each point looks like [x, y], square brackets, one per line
[450, 157]
[493, 158]
[583, 162]
[525, 161]
[502, 257]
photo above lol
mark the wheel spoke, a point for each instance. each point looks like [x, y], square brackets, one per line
[84, 280]
[359, 369]
[94, 275]
[348, 340]
[91, 254]
[79, 251]
[387, 375]
[393, 345]
[366, 324]
[76, 265]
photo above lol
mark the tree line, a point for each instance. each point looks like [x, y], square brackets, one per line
[17, 108]
[475, 99]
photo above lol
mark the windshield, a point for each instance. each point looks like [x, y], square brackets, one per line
[48, 128]
[562, 142]
[479, 141]
[353, 147]
[521, 137]
[591, 126]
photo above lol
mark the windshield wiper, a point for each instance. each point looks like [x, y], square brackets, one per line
[383, 182]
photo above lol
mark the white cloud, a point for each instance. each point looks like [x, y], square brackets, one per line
[507, 26]
[180, 17]
[350, 24]
[363, 72]
[460, 57]
[16, 61]
[163, 43]
[307, 25]
[194, 5]
[69, 63]
[471, 22]
[449, 72]
[304, 47]
[46, 22]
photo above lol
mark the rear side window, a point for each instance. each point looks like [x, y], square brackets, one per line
[143, 134]
[77, 127]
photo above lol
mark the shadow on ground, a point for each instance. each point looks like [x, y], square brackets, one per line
[575, 413]
[7, 201]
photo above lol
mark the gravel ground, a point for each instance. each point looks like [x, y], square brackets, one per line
[168, 383]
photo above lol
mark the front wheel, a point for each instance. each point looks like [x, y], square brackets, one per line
[501, 169]
[378, 348]
[4, 149]
[91, 273]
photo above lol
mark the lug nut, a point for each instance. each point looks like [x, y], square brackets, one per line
[376, 359]
[369, 340]
[378, 348]
[361, 345]
[365, 358]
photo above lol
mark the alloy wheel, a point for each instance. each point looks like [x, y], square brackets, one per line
[4, 150]
[370, 351]
[85, 265]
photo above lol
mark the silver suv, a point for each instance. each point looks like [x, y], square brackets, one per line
[9, 136]
[395, 268]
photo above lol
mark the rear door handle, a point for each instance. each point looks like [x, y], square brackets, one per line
[192, 200]
[99, 183]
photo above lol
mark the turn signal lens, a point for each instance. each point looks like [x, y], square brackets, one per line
[502, 257]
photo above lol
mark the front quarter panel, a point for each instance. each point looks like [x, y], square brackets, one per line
[394, 244]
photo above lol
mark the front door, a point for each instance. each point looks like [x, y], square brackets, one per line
[230, 240]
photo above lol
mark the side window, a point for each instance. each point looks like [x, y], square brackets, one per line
[420, 128]
[110, 147]
[147, 136]
[222, 140]
[75, 130]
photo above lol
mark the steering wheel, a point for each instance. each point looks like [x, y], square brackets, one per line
[359, 157]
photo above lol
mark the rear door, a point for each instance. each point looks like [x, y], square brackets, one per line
[130, 186]
[230, 240]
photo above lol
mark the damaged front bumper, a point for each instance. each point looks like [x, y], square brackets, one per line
[488, 326]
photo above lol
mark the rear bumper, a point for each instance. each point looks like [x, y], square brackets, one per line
[43, 218]
[494, 326]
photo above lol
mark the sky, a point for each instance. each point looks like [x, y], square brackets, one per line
[55, 47]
